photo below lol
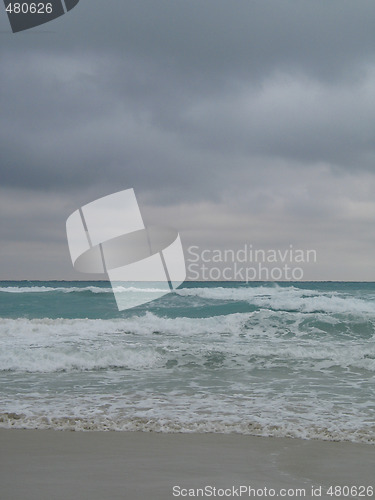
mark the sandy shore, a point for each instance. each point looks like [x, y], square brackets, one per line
[54, 465]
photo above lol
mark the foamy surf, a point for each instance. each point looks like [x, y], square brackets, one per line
[287, 360]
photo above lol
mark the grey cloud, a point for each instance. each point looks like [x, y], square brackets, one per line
[249, 36]
[292, 118]
[228, 118]
[77, 125]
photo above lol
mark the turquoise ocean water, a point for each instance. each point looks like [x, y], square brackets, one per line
[286, 359]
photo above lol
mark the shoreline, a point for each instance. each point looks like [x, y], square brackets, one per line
[46, 464]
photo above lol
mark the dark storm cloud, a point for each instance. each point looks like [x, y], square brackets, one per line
[251, 35]
[85, 120]
[138, 87]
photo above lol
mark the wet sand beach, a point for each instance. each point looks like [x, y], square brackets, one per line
[61, 465]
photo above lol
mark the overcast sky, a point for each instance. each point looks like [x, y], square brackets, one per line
[235, 121]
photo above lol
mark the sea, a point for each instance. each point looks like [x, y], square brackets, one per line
[264, 359]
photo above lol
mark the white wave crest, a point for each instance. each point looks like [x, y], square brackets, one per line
[45, 289]
[78, 289]
[167, 425]
[246, 340]
[285, 299]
